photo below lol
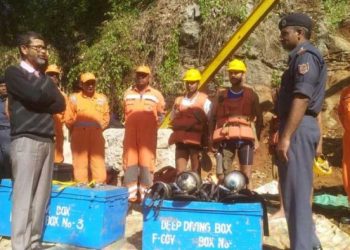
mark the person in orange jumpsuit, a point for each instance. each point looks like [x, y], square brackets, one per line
[189, 121]
[344, 117]
[55, 72]
[143, 109]
[86, 117]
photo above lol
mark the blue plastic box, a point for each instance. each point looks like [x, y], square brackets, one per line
[202, 225]
[83, 217]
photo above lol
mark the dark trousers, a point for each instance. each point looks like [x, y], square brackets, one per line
[5, 164]
[296, 180]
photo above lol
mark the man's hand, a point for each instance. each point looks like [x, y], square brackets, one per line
[319, 150]
[282, 149]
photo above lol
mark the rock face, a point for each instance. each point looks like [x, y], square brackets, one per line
[165, 153]
[190, 28]
[344, 27]
[114, 147]
[262, 53]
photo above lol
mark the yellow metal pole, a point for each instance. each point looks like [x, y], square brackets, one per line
[232, 45]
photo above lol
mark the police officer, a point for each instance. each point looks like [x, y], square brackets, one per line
[300, 101]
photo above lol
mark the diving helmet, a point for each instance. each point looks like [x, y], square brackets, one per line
[235, 181]
[188, 181]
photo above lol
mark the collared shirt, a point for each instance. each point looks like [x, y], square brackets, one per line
[27, 67]
[306, 75]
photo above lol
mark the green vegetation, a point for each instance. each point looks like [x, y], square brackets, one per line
[111, 37]
[228, 8]
[83, 35]
[107, 38]
[9, 56]
[169, 71]
[219, 19]
[336, 10]
[276, 78]
[109, 57]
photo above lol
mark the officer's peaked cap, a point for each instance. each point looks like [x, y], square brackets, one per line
[296, 19]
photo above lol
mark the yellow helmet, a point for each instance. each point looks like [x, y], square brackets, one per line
[237, 65]
[192, 75]
[53, 68]
[143, 69]
[321, 166]
[88, 76]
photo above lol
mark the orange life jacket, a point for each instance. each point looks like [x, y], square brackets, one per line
[189, 121]
[234, 117]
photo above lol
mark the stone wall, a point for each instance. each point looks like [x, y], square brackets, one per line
[114, 148]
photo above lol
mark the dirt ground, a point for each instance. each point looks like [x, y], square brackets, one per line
[326, 218]
[332, 184]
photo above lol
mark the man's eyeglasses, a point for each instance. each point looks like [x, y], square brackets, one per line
[38, 47]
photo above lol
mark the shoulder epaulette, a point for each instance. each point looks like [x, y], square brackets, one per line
[301, 51]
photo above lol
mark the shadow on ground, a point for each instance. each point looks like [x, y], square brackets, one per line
[135, 239]
[332, 148]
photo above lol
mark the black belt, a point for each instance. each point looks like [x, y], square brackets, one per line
[4, 127]
[311, 113]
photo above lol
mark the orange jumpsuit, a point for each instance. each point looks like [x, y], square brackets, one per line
[344, 116]
[59, 121]
[86, 118]
[140, 140]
